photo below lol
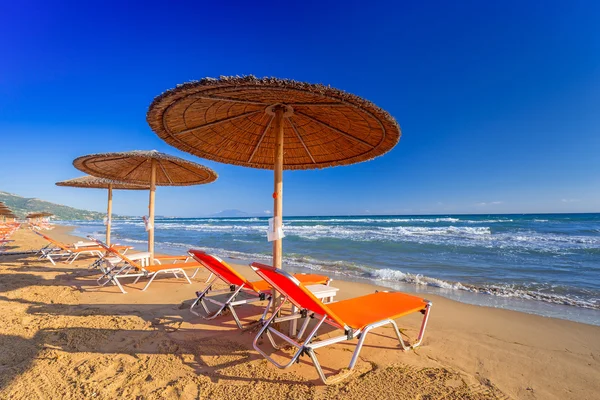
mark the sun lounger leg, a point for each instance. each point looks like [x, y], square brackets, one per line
[74, 257]
[423, 326]
[303, 328]
[116, 280]
[108, 274]
[49, 257]
[263, 317]
[264, 329]
[226, 304]
[185, 276]
[301, 348]
[95, 264]
[210, 276]
[149, 282]
[200, 298]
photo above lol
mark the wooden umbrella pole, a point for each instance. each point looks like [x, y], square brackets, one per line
[278, 184]
[277, 194]
[151, 212]
[109, 213]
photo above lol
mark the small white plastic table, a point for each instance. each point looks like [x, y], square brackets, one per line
[143, 257]
[80, 244]
[322, 292]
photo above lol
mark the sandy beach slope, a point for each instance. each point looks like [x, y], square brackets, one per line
[62, 336]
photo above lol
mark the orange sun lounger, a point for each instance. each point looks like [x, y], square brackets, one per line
[356, 317]
[56, 249]
[132, 269]
[256, 291]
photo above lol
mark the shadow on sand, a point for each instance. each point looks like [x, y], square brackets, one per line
[132, 330]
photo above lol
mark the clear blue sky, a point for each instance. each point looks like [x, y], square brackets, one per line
[499, 102]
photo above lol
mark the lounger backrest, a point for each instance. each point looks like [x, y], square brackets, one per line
[295, 291]
[220, 268]
[116, 253]
[54, 242]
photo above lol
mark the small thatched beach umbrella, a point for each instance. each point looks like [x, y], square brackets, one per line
[273, 124]
[92, 182]
[146, 168]
[6, 212]
[38, 215]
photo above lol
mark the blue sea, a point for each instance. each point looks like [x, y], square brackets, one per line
[546, 264]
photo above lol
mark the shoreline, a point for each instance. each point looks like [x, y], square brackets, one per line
[456, 291]
[495, 353]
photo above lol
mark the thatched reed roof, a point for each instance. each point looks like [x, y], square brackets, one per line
[227, 120]
[135, 167]
[92, 182]
[39, 215]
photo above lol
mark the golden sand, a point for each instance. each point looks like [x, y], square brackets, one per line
[62, 336]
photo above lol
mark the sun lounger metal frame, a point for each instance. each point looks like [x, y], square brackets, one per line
[237, 285]
[235, 289]
[131, 269]
[56, 249]
[308, 346]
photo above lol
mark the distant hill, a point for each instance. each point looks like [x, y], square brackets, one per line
[230, 213]
[22, 206]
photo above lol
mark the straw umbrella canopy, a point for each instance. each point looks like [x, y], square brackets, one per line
[39, 215]
[146, 168]
[273, 124]
[6, 212]
[93, 182]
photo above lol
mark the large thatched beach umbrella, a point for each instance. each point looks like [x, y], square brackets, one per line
[93, 182]
[272, 124]
[146, 168]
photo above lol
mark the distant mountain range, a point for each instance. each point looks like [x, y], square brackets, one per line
[22, 206]
[230, 213]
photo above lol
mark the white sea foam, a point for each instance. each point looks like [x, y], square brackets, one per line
[465, 236]
[351, 270]
[451, 235]
[417, 279]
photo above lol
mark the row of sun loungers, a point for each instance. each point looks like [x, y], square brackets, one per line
[55, 249]
[120, 266]
[41, 225]
[6, 231]
[355, 318]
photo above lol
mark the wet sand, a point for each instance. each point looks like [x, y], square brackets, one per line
[62, 336]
